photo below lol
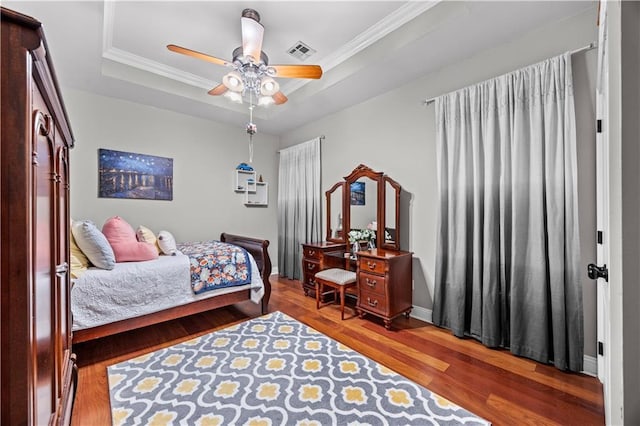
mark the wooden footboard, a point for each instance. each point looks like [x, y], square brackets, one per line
[257, 248]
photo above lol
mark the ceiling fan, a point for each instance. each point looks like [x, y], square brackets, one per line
[252, 75]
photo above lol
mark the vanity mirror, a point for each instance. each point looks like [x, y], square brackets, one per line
[366, 199]
[391, 214]
[364, 191]
[335, 213]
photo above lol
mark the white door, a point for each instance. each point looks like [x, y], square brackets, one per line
[608, 179]
[609, 160]
[602, 199]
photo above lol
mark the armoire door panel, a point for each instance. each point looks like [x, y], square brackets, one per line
[45, 291]
[62, 222]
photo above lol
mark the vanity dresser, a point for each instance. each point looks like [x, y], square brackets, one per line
[365, 199]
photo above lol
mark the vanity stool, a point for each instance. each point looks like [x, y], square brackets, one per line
[337, 279]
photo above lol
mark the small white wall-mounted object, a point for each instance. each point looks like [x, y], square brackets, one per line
[245, 181]
[260, 197]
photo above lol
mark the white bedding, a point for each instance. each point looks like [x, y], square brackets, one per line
[133, 289]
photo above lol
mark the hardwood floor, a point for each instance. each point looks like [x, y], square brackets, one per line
[494, 384]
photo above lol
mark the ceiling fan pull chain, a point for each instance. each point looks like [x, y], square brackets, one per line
[251, 128]
[250, 148]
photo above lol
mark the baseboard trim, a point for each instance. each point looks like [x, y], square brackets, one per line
[422, 314]
[590, 364]
[274, 270]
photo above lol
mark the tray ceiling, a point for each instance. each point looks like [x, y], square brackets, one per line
[365, 48]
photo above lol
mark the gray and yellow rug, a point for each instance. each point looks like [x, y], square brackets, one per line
[271, 370]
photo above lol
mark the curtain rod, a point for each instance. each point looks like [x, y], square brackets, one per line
[321, 137]
[589, 46]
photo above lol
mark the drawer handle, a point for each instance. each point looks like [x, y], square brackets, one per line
[311, 266]
[372, 304]
[371, 265]
[371, 283]
[312, 252]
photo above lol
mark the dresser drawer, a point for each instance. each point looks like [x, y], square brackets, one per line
[309, 267]
[311, 253]
[374, 302]
[371, 264]
[372, 283]
[309, 279]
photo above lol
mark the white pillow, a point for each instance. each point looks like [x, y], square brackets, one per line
[167, 243]
[93, 244]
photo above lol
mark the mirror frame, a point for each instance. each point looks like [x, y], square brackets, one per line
[357, 173]
[396, 186]
[328, 194]
[381, 180]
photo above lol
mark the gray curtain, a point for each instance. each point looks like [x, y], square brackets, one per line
[507, 264]
[299, 204]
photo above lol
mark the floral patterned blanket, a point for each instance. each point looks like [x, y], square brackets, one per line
[215, 265]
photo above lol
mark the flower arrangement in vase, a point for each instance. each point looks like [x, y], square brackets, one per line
[356, 236]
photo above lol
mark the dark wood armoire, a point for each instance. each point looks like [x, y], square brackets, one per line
[38, 375]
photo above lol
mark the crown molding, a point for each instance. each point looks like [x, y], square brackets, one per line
[391, 22]
[109, 11]
[136, 61]
[127, 58]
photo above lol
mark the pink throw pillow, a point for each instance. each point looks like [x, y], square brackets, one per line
[124, 243]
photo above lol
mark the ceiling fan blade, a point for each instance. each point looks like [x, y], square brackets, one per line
[279, 98]
[218, 90]
[196, 54]
[297, 71]
[252, 33]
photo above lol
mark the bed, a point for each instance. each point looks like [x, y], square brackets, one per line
[141, 296]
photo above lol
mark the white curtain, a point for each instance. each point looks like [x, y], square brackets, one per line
[507, 268]
[299, 204]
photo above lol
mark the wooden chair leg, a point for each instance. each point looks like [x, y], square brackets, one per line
[342, 303]
[318, 291]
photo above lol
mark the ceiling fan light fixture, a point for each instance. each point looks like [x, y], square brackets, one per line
[252, 77]
[233, 81]
[268, 86]
[233, 96]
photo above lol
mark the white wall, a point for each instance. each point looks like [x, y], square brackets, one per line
[205, 154]
[394, 133]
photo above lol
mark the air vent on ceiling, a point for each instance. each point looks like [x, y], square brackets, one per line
[301, 51]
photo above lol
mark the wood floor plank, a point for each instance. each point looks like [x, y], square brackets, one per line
[466, 367]
[580, 385]
[538, 398]
[493, 384]
[517, 414]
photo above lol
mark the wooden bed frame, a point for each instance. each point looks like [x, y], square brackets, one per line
[257, 248]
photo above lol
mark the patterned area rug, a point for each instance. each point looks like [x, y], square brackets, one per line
[271, 370]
